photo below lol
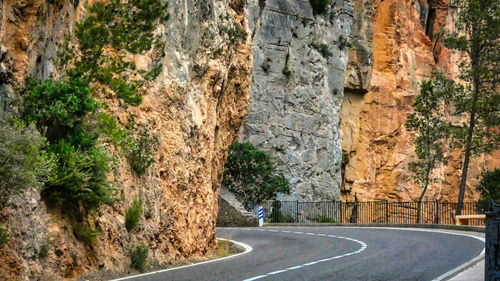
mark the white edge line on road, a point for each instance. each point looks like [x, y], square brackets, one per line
[446, 275]
[247, 248]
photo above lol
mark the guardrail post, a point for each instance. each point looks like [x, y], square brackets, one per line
[492, 244]
[261, 216]
[297, 211]
[386, 211]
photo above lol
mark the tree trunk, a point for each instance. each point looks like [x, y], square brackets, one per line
[468, 145]
[419, 208]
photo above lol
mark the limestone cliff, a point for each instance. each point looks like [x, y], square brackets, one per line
[195, 107]
[385, 72]
[297, 89]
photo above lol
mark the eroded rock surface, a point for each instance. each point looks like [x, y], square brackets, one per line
[376, 146]
[195, 108]
[297, 88]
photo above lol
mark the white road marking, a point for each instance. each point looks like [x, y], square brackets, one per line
[295, 267]
[256, 277]
[247, 248]
[276, 272]
[363, 247]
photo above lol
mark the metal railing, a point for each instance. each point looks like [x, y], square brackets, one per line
[492, 245]
[432, 212]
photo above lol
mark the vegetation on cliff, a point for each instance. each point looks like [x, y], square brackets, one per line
[57, 137]
[249, 174]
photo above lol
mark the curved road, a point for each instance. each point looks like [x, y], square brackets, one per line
[334, 253]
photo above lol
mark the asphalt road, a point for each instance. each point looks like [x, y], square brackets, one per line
[333, 253]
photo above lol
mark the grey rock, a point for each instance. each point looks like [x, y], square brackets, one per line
[297, 90]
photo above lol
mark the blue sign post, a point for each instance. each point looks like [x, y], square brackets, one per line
[261, 216]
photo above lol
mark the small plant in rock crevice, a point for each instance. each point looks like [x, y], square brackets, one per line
[4, 237]
[133, 215]
[138, 256]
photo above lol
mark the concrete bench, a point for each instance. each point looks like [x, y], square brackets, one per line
[464, 219]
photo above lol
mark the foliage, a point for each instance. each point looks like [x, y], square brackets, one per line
[286, 71]
[133, 214]
[57, 108]
[235, 34]
[44, 249]
[322, 48]
[140, 154]
[431, 129]
[489, 187]
[478, 35]
[23, 162]
[4, 237]
[80, 177]
[125, 28]
[326, 219]
[319, 6]
[343, 42]
[249, 174]
[84, 233]
[138, 256]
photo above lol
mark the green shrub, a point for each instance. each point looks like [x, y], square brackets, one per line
[140, 152]
[23, 162]
[322, 48]
[133, 214]
[287, 72]
[249, 174]
[44, 249]
[319, 6]
[489, 187]
[343, 42]
[138, 256]
[326, 219]
[57, 108]
[4, 237]
[235, 34]
[84, 233]
[80, 177]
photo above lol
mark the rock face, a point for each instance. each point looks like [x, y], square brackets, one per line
[297, 88]
[195, 108]
[376, 146]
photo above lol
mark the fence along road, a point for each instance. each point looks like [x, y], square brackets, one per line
[334, 253]
[432, 212]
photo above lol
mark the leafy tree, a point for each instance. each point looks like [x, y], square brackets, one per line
[478, 35]
[489, 187]
[429, 124]
[249, 174]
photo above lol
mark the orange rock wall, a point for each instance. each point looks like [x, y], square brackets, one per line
[376, 146]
